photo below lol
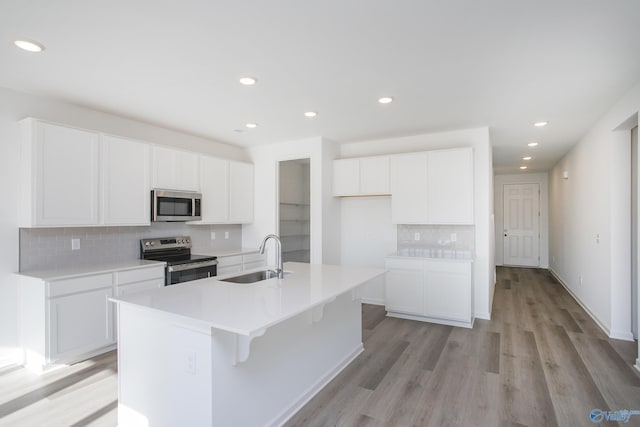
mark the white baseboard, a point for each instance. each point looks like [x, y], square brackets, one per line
[611, 334]
[457, 323]
[315, 388]
[621, 335]
[483, 315]
[10, 357]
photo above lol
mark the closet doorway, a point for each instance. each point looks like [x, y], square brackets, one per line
[294, 191]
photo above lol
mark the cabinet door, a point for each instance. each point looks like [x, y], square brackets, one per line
[448, 290]
[175, 169]
[346, 177]
[374, 175]
[214, 186]
[450, 186]
[125, 181]
[408, 176]
[240, 193]
[66, 175]
[79, 323]
[404, 291]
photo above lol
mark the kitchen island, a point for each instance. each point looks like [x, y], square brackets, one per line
[210, 352]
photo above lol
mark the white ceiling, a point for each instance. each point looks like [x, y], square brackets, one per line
[449, 64]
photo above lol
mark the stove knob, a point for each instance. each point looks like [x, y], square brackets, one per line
[151, 243]
[146, 243]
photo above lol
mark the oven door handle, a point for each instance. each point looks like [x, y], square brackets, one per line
[191, 265]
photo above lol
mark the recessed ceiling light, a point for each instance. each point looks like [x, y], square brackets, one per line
[28, 45]
[532, 144]
[385, 100]
[527, 158]
[238, 130]
[523, 167]
[248, 81]
[251, 125]
[310, 114]
[540, 124]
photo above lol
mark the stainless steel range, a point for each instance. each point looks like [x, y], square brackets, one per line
[182, 266]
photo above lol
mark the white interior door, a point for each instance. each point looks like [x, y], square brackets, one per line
[521, 224]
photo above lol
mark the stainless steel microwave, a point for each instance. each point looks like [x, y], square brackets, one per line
[174, 206]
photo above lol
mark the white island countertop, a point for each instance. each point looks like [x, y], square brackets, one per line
[248, 309]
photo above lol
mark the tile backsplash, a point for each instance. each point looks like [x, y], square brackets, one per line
[48, 248]
[437, 241]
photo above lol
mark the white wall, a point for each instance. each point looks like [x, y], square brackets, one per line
[15, 106]
[528, 178]
[325, 221]
[484, 271]
[589, 218]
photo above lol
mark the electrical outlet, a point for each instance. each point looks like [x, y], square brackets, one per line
[213, 235]
[75, 244]
[226, 235]
[453, 237]
[416, 235]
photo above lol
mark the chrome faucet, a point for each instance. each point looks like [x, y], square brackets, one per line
[279, 270]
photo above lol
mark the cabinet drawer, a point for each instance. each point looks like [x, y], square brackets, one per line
[229, 269]
[79, 284]
[404, 264]
[229, 260]
[249, 258]
[140, 286]
[254, 264]
[139, 275]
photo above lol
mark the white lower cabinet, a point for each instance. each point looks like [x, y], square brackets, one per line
[63, 321]
[239, 263]
[79, 324]
[430, 290]
[130, 281]
[404, 291]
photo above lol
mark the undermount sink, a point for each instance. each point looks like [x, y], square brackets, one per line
[256, 276]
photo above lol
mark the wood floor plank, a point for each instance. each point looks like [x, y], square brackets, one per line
[524, 394]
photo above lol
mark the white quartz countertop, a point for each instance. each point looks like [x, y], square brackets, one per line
[84, 270]
[248, 309]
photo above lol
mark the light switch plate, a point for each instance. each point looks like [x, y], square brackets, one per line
[226, 235]
[75, 244]
[416, 235]
[213, 235]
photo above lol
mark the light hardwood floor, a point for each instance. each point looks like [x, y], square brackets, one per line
[540, 361]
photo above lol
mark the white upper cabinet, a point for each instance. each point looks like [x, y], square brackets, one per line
[175, 169]
[346, 177]
[240, 193]
[227, 191]
[432, 187]
[450, 186]
[409, 188]
[59, 175]
[125, 182]
[214, 186]
[366, 176]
